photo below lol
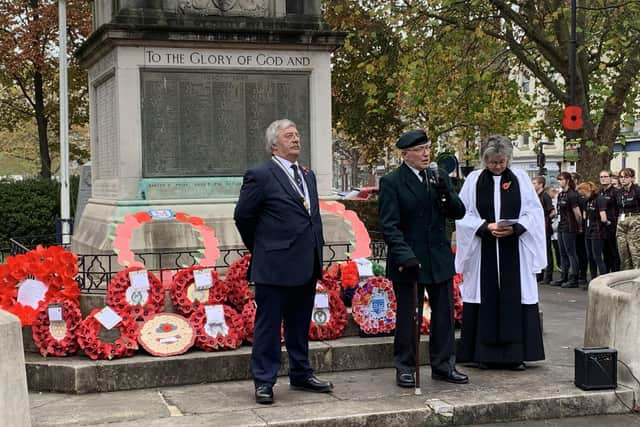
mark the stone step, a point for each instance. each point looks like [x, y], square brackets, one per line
[78, 374]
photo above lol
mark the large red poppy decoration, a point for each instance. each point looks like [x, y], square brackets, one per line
[29, 281]
[187, 297]
[99, 342]
[212, 336]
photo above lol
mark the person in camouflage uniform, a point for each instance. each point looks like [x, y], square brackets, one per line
[628, 231]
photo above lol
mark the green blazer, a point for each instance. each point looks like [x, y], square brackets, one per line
[414, 226]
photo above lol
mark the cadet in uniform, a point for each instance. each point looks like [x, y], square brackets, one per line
[628, 231]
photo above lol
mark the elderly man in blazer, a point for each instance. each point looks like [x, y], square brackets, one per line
[414, 203]
[278, 218]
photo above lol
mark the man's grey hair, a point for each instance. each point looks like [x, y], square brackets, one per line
[497, 146]
[271, 134]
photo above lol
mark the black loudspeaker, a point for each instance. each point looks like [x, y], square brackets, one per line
[596, 368]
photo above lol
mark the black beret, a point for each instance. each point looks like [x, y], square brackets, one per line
[411, 139]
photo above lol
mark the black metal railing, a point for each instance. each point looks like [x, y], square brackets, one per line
[96, 270]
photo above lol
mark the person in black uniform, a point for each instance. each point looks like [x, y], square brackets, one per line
[581, 248]
[539, 183]
[569, 226]
[413, 205]
[595, 227]
[609, 193]
[628, 232]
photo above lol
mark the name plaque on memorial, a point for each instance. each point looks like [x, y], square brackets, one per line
[212, 123]
[189, 188]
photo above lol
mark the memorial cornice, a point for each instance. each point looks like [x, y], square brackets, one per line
[228, 32]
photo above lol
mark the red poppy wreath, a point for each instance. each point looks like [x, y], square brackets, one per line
[99, 342]
[55, 326]
[135, 292]
[195, 286]
[218, 327]
[329, 315]
[374, 306]
[29, 281]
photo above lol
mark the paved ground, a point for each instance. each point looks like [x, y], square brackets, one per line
[370, 397]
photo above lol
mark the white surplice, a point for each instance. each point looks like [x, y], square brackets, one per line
[532, 244]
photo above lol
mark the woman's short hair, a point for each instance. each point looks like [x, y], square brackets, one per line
[271, 134]
[497, 146]
[587, 187]
[627, 172]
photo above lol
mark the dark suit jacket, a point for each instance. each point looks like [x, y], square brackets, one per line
[285, 241]
[413, 225]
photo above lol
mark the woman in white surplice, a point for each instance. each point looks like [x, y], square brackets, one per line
[500, 248]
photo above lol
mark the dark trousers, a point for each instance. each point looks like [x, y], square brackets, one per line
[442, 338]
[275, 304]
[583, 260]
[610, 250]
[567, 242]
[596, 260]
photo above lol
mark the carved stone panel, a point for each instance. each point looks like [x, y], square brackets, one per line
[224, 7]
[212, 123]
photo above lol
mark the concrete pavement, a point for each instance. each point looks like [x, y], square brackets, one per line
[368, 397]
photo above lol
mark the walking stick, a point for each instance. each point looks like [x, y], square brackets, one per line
[416, 331]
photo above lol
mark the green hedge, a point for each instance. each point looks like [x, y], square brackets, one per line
[30, 207]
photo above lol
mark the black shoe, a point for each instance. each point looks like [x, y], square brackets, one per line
[559, 282]
[570, 284]
[454, 377]
[264, 394]
[406, 379]
[314, 385]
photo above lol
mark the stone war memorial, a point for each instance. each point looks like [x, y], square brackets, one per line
[181, 92]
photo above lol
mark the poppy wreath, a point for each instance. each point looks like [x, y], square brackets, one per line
[334, 327]
[238, 293]
[425, 326]
[53, 267]
[330, 283]
[119, 293]
[239, 268]
[361, 310]
[59, 338]
[187, 299]
[457, 298]
[125, 345]
[230, 341]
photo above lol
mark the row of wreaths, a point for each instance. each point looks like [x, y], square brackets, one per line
[143, 320]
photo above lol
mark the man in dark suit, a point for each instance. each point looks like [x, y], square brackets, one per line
[278, 218]
[413, 203]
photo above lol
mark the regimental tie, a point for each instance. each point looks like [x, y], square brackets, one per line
[423, 175]
[297, 178]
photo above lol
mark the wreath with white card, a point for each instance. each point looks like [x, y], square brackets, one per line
[136, 292]
[195, 286]
[218, 327]
[104, 334]
[55, 326]
[329, 315]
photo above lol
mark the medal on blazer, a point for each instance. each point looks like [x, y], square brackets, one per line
[303, 197]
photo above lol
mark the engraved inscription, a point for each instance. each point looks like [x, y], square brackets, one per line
[197, 124]
[106, 150]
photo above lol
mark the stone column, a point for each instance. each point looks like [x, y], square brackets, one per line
[14, 399]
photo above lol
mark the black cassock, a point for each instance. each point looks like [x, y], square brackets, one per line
[500, 330]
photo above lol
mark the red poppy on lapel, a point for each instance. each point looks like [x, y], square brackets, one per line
[506, 185]
[304, 169]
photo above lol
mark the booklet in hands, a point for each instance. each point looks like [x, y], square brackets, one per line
[503, 223]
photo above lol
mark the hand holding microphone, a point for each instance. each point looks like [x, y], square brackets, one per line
[440, 184]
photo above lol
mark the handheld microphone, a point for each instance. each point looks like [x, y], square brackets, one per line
[434, 168]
